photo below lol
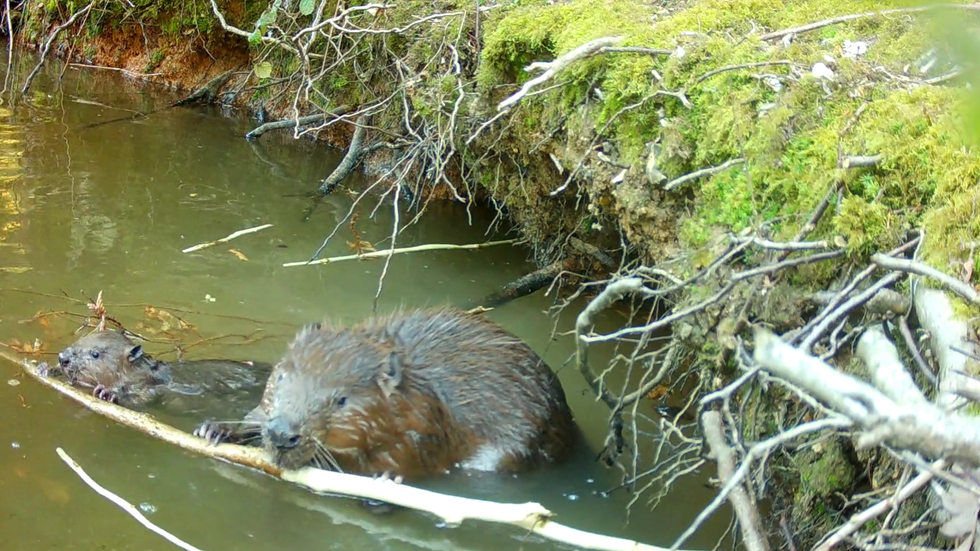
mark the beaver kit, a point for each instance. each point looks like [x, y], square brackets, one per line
[410, 394]
[118, 370]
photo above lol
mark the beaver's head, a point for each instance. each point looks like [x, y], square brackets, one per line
[325, 398]
[103, 358]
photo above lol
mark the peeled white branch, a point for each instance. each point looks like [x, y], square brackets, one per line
[552, 68]
[935, 313]
[122, 503]
[389, 252]
[886, 369]
[920, 427]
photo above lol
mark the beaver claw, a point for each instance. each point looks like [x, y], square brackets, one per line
[214, 433]
[104, 394]
[388, 475]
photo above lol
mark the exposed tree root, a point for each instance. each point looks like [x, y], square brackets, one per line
[523, 286]
[298, 122]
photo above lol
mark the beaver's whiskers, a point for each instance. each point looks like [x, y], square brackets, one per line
[322, 456]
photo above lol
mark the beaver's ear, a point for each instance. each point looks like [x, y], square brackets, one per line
[135, 353]
[391, 374]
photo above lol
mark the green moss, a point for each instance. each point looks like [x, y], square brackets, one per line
[825, 472]
[156, 58]
[864, 225]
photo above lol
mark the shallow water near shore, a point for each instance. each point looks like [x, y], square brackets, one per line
[109, 208]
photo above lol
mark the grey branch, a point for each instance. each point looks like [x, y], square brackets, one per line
[614, 292]
[935, 313]
[852, 303]
[702, 173]
[748, 515]
[296, 123]
[552, 68]
[884, 302]
[710, 74]
[353, 157]
[785, 245]
[885, 367]
[923, 428]
[903, 326]
[914, 267]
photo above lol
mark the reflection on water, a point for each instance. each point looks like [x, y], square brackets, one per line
[109, 208]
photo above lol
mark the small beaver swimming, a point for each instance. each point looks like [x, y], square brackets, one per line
[118, 370]
[410, 394]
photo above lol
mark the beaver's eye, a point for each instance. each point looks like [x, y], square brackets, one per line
[95, 354]
[342, 401]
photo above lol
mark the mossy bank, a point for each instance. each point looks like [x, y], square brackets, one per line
[872, 112]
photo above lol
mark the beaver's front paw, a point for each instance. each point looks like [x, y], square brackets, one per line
[214, 432]
[45, 370]
[388, 475]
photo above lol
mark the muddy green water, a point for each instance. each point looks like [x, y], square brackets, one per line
[109, 209]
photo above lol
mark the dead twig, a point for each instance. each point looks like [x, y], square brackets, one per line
[614, 292]
[710, 171]
[753, 536]
[635, 50]
[552, 68]
[962, 289]
[757, 451]
[47, 43]
[845, 18]
[390, 252]
[903, 325]
[234, 235]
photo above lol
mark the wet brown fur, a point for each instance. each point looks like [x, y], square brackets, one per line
[120, 371]
[425, 390]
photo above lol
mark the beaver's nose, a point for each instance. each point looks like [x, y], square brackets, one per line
[281, 435]
[64, 358]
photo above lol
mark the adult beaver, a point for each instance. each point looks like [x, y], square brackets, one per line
[410, 394]
[118, 370]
